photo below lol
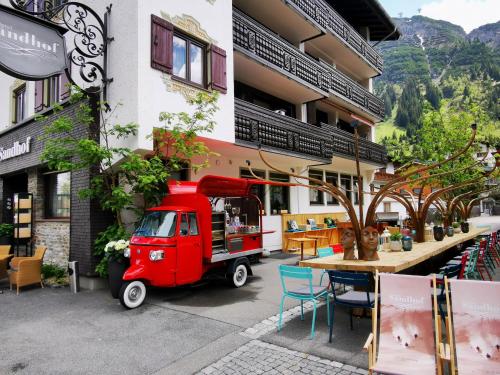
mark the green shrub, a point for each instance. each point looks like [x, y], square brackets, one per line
[114, 232]
[6, 230]
[53, 270]
[455, 225]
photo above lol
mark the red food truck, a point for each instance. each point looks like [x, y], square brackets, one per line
[212, 227]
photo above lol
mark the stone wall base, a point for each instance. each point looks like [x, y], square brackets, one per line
[93, 283]
[54, 235]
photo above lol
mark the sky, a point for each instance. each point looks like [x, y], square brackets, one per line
[469, 14]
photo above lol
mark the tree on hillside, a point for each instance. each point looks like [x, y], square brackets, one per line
[409, 115]
[432, 94]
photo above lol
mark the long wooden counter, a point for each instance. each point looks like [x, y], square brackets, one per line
[393, 261]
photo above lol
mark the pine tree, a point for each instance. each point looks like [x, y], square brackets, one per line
[409, 113]
[432, 94]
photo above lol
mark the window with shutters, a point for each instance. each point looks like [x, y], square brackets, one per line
[187, 58]
[19, 104]
[51, 90]
[189, 62]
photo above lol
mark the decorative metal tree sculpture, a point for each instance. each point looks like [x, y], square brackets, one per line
[457, 203]
[365, 243]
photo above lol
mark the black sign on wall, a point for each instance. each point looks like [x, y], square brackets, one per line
[30, 48]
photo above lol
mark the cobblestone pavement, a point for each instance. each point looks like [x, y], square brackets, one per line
[257, 357]
[271, 323]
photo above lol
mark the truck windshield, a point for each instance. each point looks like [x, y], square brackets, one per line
[157, 224]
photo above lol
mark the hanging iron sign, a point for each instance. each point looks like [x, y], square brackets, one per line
[30, 48]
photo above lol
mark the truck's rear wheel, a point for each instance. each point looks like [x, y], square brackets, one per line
[132, 294]
[240, 275]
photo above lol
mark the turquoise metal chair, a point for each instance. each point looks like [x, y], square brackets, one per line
[324, 252]
[307, 292]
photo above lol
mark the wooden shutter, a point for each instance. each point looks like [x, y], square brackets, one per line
[63, 86]
[39, 96]
[218, 69]
[162, 44]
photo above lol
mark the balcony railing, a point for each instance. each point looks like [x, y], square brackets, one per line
[344, 145]
[254, 40]
[257, 126]
[328, 19]
[262, 127]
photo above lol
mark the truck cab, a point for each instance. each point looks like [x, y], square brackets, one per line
[195, 230]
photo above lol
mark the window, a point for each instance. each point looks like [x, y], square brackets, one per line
[321, 117]
[280, 195]
[189, 59]
[176, 53]
[20, 104]
[387, 206]
[417, 191]
[52, 90]
[332, 178]
[345, 183]
[193, 224]
[157, 224]
[315, 196]
[58, 195]
[257, 190]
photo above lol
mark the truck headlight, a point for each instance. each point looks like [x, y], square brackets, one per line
[126, 252]
[156, 255]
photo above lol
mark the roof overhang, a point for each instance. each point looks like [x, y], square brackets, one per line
[370, 13]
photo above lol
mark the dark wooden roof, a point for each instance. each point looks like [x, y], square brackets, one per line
[367, 13]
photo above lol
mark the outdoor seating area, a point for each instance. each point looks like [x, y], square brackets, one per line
[412, 333]
[21, 271]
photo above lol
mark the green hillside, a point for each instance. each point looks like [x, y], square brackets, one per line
[436, 66]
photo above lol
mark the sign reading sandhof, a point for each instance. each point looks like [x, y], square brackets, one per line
[30, 48]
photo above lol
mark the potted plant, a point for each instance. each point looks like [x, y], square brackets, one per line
[396, 244]
[117, 264]
[456, 227]
[464, 226]
[6, 231]
[450, 231]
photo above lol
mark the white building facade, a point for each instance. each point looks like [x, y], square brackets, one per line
[292, 75]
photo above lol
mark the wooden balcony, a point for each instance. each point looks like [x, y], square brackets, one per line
[330, 21]
[256, 126]
[267, 49]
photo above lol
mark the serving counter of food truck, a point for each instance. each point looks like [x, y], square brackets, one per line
[212, 227]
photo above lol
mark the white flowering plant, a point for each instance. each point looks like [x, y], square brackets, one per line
[115, 249]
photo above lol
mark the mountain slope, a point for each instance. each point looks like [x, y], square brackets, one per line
[460, 70]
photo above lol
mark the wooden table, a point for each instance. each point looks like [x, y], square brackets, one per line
[393, 261]
[301, 240]
[317, 239]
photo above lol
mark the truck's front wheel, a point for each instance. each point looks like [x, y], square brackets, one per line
[132, 294]
[240, 275]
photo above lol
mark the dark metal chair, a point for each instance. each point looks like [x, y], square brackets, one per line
[351, 298]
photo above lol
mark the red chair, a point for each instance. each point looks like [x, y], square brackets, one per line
[481, 264]
[463, 261]
[337, 248]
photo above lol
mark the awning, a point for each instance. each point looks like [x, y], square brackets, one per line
[219, 186]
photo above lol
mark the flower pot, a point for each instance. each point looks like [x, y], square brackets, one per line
[396, 245]
[407, 243]
[456, 230]
[5, 240]
[116, 269]
[450, 231]
[465, 227]
[438, 233]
